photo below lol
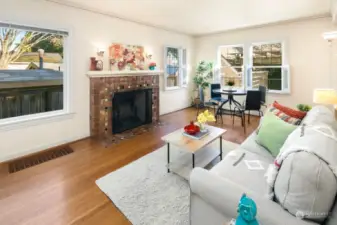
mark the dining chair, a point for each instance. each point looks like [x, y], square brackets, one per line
[252, 103]
[216, 97]
[208, 105]
[263, 91]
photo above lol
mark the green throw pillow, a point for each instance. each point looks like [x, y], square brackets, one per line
[273, 133]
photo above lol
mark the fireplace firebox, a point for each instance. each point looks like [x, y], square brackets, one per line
[131, 109]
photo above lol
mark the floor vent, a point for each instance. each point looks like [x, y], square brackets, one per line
[37, 159]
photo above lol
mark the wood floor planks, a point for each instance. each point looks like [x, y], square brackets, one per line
[63, 191]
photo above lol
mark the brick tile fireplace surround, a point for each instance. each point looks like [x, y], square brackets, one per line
[103, 86]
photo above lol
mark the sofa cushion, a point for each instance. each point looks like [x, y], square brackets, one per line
[320, 115]
[332, 220]
[273, 133]
[320, 140]
[306, 186]
[285, 117]
[306, 181]
[240, 174]
[250, 145]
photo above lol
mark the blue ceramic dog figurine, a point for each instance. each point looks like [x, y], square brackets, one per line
[247, 212]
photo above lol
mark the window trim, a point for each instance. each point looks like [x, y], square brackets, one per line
[34, 119]
[67, 79]
[285, 92]
[33, 28]
[182, 67]
[67, 111]
[242, 67]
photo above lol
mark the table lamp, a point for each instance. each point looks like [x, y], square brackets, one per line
[326, 97]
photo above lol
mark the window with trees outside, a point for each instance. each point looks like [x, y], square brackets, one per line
[32, 68]
[175, 67]
[231, 65]
[267, 67]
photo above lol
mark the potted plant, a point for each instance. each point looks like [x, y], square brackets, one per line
[230, 83]
[204, 72]
[304, 107]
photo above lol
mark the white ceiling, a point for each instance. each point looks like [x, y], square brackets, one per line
[198, 17]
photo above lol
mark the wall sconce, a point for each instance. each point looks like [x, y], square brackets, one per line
[329, 36]
[148, 53]
[100, 52]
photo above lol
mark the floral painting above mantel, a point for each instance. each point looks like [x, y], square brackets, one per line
[126, 57]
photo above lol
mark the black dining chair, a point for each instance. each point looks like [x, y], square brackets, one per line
[252, 103]
[263, 91]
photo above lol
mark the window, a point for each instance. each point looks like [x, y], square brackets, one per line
[231, 65]
[267, 67]
[175, 68]
[265, 63]
[32, 67]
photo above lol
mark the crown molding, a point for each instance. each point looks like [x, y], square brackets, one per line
[282, 22]
[105, 13]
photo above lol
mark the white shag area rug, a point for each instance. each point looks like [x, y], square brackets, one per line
[146, 194]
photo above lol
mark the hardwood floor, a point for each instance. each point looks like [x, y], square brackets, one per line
[63, 191]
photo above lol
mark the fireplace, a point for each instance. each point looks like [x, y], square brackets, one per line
[107, 88]
[131, 109]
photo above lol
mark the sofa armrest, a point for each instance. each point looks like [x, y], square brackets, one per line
[224, 195]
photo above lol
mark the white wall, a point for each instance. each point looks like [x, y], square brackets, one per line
[308, 56]
[307, 53]
[88, 31]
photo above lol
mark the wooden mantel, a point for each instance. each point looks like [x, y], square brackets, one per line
[108, 73]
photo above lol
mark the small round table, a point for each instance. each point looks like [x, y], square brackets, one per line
[230, 100]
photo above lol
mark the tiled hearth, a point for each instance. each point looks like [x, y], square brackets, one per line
[102, 89]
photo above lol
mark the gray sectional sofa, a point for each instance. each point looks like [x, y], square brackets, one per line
[215, 193]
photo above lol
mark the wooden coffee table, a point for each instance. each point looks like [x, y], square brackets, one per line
[203, 146]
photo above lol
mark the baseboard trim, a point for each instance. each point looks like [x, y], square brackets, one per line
[42, 148]
[176, 110]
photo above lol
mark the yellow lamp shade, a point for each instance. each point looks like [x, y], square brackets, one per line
[325, 96]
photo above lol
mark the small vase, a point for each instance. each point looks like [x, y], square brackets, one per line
[152, 67]
[230, 88]
[93, 63]
[203, 128]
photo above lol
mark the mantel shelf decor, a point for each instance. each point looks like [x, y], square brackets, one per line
[109, 73]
